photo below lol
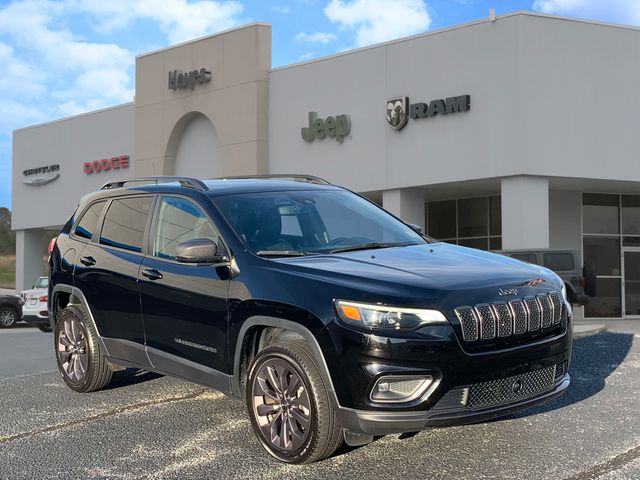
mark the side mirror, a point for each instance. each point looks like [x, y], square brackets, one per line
[198, 250]
[415, 227]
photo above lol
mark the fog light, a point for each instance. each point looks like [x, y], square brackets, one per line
[400, 388]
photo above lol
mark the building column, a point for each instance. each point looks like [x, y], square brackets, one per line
[525, 212]
[28, 257]
[406, 204]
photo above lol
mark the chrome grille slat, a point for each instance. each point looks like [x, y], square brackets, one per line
[487, 321]
[534, 313]
[496, 392]
[502, 319]
[546, 308]
[468, 321]
[521, 318]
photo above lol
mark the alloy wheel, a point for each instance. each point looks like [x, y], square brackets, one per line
[7, 317]
[281, 405]
[73, 350]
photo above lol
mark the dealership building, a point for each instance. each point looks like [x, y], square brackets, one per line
[515, 132]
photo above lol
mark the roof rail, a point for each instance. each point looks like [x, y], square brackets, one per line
[294, 176]
[183, 181]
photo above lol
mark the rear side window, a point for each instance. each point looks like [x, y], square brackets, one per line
[559, 262]
[89, 220]
[124, 223]
[525, 257]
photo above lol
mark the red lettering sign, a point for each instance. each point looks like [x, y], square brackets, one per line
[113, 163]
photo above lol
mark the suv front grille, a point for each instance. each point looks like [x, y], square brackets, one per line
[506, 390]
[505, 319]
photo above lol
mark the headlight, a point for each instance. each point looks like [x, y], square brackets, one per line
[385, 317]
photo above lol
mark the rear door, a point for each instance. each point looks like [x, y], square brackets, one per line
[184, 305]
[107, 273]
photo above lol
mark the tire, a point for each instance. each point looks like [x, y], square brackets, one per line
[80, 359]
[294, 363]
[8, 317]
[44, 328]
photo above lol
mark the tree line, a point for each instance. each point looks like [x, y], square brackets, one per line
[7, 237]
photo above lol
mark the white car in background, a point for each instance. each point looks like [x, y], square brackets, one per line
[34, 307]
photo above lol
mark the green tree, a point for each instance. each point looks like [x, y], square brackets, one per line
[7, 237]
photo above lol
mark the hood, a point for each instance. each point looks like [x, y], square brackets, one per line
[437, 266]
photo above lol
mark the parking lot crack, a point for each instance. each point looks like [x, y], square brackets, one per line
[616, 463]
[100, 416]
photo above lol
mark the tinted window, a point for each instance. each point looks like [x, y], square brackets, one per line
[525, 257]
[442, 219]
[479, 243]
[180, 220]
[600, 213]
[602, 255]
[558, 262]
[124, 223]
[316, 221]
[89, 221]
[631, 214]
[495, 216]
[473, 218]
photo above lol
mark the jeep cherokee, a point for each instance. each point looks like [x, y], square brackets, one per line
[331, 318]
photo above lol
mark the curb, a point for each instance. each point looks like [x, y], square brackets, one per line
[582, 330]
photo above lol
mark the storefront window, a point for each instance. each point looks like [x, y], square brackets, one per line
[470, 222]
[602, 255]
[631, 214]
[607, 303]
[600, 213]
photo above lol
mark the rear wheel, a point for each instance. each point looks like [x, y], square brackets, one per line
[289, 404]
[80, 359]
[8, 317]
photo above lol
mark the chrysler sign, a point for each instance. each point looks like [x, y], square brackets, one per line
[399, 110]
[41, 175]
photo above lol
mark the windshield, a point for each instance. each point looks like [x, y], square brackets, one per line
[43, 282]
[300, 222]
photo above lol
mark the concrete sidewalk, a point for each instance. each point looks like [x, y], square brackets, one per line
[6, 291]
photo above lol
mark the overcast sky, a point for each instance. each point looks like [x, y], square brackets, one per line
[60, 58]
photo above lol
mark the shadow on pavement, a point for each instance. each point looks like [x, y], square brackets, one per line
[593, 359]
[131, 376]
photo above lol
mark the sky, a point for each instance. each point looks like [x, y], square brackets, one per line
[65, 57]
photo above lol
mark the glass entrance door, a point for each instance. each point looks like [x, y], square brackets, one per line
[631, 283]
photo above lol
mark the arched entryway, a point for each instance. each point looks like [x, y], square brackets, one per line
[194, 149]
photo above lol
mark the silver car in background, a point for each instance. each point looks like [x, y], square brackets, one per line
[34, 307]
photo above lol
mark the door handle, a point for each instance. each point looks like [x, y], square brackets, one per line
[88, 261]
[151, 274]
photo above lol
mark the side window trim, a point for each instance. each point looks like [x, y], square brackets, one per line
[148, 242]
[98, 232]
[99, 221]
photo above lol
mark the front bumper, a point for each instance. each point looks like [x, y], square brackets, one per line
[384, 422]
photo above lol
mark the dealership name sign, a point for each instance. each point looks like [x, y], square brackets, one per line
[179, 80]
[41, 175]
[399, 110]
[336, 127]
[106, 164]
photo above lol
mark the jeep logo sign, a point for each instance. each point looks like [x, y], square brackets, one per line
[179, 80]
[399, 110]
[336, 127]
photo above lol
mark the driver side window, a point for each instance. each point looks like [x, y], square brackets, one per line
[180, 219]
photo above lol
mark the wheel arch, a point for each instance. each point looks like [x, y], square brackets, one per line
[252, 332]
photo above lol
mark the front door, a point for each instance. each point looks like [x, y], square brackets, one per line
[184, 306]
[631, 282]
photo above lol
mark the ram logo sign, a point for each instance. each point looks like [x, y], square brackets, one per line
[399, 110]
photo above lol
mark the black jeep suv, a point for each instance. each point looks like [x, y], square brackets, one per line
[331, 318]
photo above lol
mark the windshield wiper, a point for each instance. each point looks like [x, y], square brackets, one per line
[371, 246]
[282, 253]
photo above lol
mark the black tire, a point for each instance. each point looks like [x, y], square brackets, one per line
[8, 317]
[44, 328]
[93, 372]
[323, 434]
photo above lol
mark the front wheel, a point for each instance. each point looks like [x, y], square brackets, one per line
[289, 404]
[8, 317]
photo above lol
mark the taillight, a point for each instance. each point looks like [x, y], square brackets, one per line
[52, 245]
[43, 298]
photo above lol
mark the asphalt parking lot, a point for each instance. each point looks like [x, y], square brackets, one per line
[147, 426]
